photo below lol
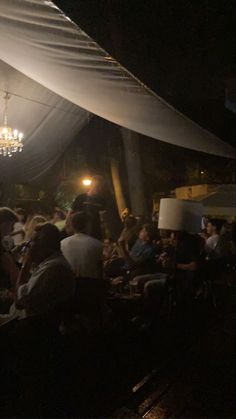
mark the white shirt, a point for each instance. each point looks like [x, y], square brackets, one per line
[51, 283]
[84, 254]
[18, 238]
[211, 244]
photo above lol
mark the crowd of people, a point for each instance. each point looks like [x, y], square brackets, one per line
[53, 265]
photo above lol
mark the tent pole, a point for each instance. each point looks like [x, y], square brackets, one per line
[120, 200]
[134, 172]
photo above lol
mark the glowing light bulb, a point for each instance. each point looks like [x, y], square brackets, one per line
[87, 181]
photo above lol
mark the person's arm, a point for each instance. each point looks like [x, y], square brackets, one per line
[130, 261]
[20, 231]
[28, 296]
[23, 274]
[16, 251]
[192, 266]
[53, 286]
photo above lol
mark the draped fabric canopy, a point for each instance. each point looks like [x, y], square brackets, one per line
[48, 122]
[57, 76]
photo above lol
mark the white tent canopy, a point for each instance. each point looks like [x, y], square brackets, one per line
[60, 76]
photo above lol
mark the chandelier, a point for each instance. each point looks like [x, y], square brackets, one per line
[10, 139]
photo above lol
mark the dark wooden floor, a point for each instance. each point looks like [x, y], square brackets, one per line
[199, 380]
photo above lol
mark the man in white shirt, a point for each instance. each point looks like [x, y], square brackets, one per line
[212, 247]
[52, 282]
[83, 252]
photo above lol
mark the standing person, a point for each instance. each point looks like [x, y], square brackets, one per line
[93, 203]
[83, 252]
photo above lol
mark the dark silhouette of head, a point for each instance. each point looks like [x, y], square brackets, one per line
[45, 242]
[80, 222]
[7, 220]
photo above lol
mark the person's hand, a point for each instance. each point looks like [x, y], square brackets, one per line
[192, 266]
[124, 214]
[18, 248]
[163, 256]
[164, 260]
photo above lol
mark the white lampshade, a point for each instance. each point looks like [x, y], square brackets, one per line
[180, 215]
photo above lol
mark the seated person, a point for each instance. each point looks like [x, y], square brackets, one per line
[109, 249]
[52, 281]
[186, 260]
[212, 247]
[83, 252]
[164, 266]
[219, 250]
[141, 258]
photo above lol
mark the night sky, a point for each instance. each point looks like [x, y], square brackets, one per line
[184, 50]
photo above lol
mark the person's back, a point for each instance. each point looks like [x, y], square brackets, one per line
[83, 252]
[50, 284]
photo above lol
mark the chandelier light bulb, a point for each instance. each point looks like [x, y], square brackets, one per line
[10, 139]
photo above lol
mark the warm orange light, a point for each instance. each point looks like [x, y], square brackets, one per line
[87, 182]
